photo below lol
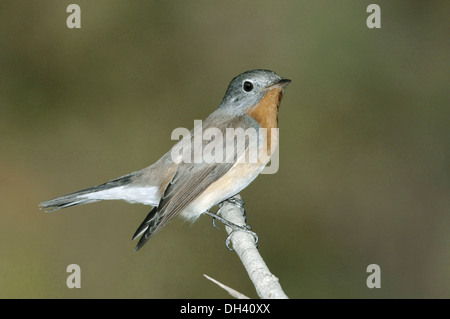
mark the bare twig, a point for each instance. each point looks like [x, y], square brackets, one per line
[234, 293]
[243, 243]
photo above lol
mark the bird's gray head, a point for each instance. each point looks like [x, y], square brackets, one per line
[249, 87]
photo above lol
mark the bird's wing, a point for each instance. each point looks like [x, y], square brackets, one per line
[189, 181]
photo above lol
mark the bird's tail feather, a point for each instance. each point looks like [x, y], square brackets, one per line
[84, 196]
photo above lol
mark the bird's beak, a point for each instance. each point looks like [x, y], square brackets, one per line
[280, 84]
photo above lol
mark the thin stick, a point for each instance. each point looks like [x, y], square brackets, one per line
[234, 293]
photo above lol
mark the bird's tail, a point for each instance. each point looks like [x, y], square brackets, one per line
[88, 195]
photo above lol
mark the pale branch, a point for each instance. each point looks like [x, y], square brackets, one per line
[243, 243]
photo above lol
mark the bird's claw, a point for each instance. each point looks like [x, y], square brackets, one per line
[239, 202]
[214, 223]
[247, 229]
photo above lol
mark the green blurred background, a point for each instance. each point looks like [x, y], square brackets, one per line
[364, 154]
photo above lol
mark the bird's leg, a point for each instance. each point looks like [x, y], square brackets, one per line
[223, 220]
[246, 228]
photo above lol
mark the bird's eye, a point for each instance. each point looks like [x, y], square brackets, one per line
[248, 86]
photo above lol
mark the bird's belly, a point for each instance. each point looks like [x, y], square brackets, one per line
[236, 179]
[240, 175]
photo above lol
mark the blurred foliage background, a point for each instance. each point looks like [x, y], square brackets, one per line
[364, 175]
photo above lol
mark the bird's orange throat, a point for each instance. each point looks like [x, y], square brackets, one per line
[266, 111]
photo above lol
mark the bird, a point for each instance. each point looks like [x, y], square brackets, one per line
[177, 185]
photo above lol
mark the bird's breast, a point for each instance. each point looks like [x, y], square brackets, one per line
[266, 112]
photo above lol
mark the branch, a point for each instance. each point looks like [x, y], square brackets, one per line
[231, 291]
[266, 284]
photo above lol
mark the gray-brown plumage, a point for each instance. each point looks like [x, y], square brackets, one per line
[189, 188]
